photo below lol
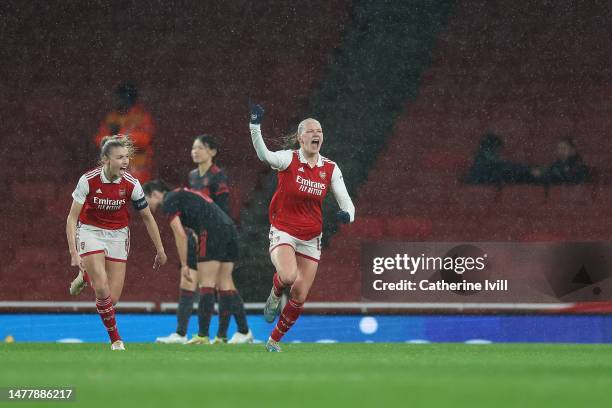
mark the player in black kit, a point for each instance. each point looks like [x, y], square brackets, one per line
[208, 177]
[217, 251]
[211, 180]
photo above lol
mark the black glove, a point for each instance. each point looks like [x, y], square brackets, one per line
[257, 112]
[343, 216]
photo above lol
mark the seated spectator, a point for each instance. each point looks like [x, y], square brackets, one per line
[130, 118]
[490, 168]
[568, 168]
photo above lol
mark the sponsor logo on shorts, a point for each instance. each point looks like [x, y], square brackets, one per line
[83, 246]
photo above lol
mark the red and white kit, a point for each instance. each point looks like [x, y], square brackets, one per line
[104, 219]
[296, 208]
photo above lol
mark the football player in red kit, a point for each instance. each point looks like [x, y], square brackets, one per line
[98, 233]
[304, 178]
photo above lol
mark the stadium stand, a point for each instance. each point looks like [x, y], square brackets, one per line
[196, 72]
[532, 73]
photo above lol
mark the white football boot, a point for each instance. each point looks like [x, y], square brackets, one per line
[78, 284]
[174, 338]
[118, 345]
[239, 338]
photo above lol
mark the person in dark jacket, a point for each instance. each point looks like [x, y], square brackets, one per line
[490, 168]
[568, 168]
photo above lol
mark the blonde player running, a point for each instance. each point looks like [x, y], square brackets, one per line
[100, 243]
[304, 178]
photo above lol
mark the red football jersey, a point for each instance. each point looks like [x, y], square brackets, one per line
[105, 203]
[296, 207]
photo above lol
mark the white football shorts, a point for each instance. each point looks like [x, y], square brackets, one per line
[115, 244]
[310, 249]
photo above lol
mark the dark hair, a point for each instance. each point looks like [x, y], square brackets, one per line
[491, 141]
[155, 185]
[128, 92]
[208, 140]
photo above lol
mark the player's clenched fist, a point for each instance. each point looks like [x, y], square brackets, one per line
[257, 112]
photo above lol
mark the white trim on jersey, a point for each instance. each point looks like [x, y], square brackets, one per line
[107, 181]
[93, 172]
[341, 195]
[137, 192]
[92, 175]
[319, 160]
[130, 178]
[82, 189]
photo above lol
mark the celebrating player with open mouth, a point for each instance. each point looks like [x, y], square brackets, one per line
[102, 237]
[304, 177]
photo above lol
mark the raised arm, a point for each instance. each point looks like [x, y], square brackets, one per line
[277, 160]
[347, 213]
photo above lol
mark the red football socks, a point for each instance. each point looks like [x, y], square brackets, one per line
[289, 315]
[106, 310]
[278, 285]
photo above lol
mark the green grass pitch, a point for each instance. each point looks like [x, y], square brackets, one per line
[315, 375]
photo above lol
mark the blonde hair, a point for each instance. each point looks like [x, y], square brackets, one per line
[119, 140]
[291, 141]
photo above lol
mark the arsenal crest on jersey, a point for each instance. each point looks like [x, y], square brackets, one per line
[323, 175]
[122, 192]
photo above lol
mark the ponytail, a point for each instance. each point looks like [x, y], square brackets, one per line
[290, 141]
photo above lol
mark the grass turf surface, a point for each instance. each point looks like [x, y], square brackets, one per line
[313, 375]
